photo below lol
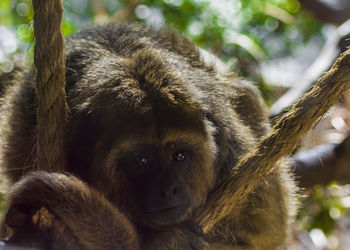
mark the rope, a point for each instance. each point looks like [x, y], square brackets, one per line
[50, 85]
[283, 139]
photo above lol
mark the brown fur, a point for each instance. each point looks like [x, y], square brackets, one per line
[131, 89]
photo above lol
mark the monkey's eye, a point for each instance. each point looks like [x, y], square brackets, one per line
[143, 161]
[179, 156]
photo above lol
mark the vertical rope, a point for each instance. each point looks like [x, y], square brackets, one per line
[50, 85]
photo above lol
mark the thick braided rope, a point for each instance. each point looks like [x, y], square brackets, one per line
[50, 84]
[282, 140]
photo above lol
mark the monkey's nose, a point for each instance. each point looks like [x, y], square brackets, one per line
[170, 192]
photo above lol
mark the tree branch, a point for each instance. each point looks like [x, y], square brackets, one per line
[325, 12]
[323, 164]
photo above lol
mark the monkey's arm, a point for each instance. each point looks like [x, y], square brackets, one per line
[92, 220]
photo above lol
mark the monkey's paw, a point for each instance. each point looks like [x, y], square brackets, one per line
[42, 218]
[45, 220]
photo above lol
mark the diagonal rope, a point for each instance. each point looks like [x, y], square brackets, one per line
[282, 141]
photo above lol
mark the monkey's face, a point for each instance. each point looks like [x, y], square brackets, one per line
[167, 178]
[158, 187]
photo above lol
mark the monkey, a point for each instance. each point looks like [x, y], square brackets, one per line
[154, 126]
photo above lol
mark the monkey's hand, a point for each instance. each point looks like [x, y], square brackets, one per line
[194, 235]
[43, 229]
[68, 209]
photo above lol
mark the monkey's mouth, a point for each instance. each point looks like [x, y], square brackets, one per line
[167, 215]
[166, 209]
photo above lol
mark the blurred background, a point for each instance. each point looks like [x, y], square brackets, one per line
[281, 45]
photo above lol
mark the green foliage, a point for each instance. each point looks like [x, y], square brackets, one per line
[22, 15]
[229, 28]
[321, 208]
[5, 12]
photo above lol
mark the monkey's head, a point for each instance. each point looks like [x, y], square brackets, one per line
[146, 142]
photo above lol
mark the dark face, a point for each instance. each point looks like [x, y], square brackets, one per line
[161, 192]
[165, 180]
